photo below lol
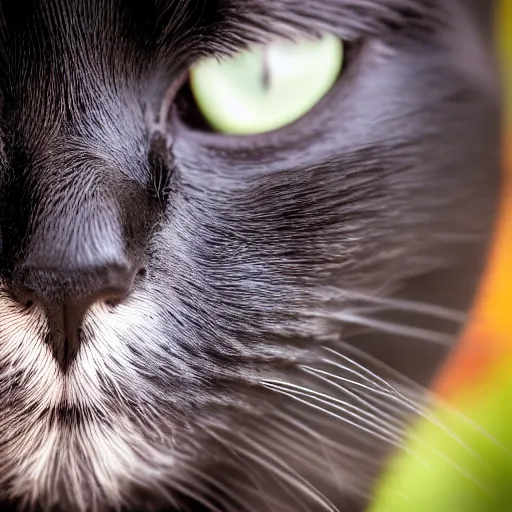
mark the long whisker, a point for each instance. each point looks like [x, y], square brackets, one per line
[316, 371]
[404, 331]
[392, 437]
[282, 471]
[253, 474]
[343, 449]
[404, 401]
[394, 304]
[293, 478]
[293, 438]
[343, 406]
[328, 378]
[461, 470]
[390, 418]
[377, 363]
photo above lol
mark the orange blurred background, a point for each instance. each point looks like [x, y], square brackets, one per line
[488, 339]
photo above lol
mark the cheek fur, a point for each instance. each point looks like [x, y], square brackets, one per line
[28, 369]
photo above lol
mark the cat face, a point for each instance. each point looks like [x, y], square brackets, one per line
[186, 314]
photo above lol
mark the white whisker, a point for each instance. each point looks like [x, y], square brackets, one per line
[401, 399]
[400, 425]
[344, 449]
[376, 396]
[392, 438]
[292, 478]
[317, 372]
[404, 331]
[391, 303]
[253, 474]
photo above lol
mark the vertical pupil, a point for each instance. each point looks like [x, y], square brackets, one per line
[265, 70]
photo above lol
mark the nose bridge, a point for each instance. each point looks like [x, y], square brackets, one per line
[74, 245]
[75, 222]
[79, 236]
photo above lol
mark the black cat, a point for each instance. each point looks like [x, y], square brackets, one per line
[192, 320]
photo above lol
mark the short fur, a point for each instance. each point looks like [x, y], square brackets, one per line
[286, 274]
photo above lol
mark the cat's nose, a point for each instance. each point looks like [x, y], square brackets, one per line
[65, 296]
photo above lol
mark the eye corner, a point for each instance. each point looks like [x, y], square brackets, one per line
[188, 112]
[160, 168]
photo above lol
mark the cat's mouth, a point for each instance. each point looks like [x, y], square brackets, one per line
[67, 415]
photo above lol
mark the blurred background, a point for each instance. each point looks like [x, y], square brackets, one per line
[461, 458]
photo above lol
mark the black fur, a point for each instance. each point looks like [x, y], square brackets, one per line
[259, 251]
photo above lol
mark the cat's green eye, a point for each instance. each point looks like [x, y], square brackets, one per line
[267, 87]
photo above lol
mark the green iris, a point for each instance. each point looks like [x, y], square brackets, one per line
[266, 87]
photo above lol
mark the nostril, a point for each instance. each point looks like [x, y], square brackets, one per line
[24, 296]
[115, 298]
[120, 294]
[110, 285]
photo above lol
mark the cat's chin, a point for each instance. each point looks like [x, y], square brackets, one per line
[88, 466]
[63, 438]
[68, 458]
